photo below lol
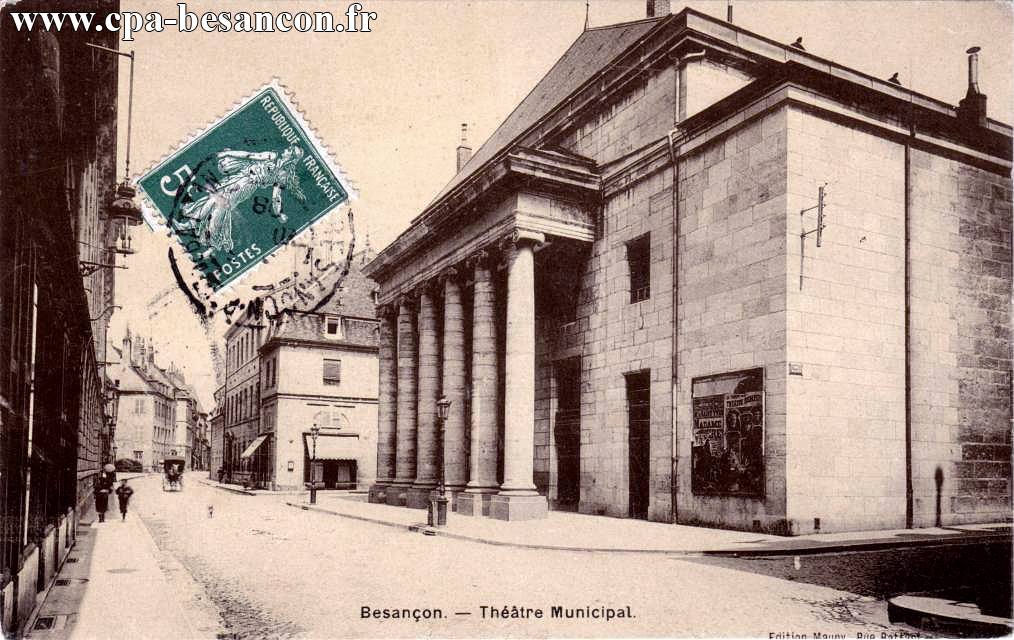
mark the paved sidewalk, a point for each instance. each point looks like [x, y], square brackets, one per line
[112, 587]
[235, 488]
[578, 532]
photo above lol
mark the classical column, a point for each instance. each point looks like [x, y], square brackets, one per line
[453, 388]
[387, 405]
[518, 499]
[406, 418]
[426, 405]
[483, 447]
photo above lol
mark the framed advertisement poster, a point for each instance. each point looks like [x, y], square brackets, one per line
[727, 454]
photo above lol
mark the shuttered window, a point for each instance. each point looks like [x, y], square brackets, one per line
[332, 371]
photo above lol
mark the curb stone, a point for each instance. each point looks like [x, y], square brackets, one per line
[845, 546]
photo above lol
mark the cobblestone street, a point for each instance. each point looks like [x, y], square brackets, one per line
[275, 571]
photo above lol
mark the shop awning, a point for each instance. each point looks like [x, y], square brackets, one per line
[249, 451]
[332, 447]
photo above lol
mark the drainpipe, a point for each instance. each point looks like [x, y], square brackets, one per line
[909, 491]
[676, 137]
[31, 408]
[674, 159]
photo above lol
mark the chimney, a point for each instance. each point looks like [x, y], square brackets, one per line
[464, 151]
[657, 8]
[973, 107]
[728, 12]
[128, 347]
[368, 252]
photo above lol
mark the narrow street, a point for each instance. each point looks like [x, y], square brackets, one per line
[275, 571]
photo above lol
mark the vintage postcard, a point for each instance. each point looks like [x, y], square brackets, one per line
[489, 319]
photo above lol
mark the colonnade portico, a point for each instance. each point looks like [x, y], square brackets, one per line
[427, 360]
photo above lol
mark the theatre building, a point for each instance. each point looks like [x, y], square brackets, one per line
[701, 276]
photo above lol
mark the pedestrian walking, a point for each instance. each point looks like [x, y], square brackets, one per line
[102, 500]
[107, 477]
[123, 493]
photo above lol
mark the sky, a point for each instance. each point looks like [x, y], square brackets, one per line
[390, 103]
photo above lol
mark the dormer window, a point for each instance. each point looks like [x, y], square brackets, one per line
[333, 328]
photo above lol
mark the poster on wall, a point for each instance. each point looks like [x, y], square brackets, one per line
[727, 456]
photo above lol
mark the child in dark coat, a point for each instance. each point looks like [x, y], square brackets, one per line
[123, 493]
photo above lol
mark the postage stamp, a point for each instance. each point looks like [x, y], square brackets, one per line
[248, 184]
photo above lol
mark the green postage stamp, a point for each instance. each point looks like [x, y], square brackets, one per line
[245, 186]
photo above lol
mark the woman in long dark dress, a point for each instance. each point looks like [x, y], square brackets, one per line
[101, 501]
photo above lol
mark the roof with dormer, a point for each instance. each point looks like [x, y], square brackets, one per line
[352, 300]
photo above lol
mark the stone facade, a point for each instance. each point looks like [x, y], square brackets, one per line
[846, 328]
[156, 405]
[320, 369]
[961, 341]
[241, 409]
[672, 209]
[732, 290]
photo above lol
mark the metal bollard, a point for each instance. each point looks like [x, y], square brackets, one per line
[437, 516]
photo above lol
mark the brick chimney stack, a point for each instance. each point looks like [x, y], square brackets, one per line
[658, 8]
[464, 151]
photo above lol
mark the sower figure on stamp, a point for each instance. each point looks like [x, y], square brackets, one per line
[123, 493]
[240, 175]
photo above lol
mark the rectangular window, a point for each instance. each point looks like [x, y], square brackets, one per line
[639, 262]
[138, 455]
[332, 371]
[333, 328]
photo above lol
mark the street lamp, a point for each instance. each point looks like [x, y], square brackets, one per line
[443, 409]
[112, 402]
[438, 500]
[314, 432]
[123, 209]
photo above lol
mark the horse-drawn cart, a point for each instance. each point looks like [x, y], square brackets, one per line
[172, 478]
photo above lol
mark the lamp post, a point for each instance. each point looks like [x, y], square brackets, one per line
[123, 209]
[314, 432]
[229, 446]
[112, 400]
[438, 500]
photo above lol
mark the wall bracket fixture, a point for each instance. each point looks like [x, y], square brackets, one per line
[821, 206]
